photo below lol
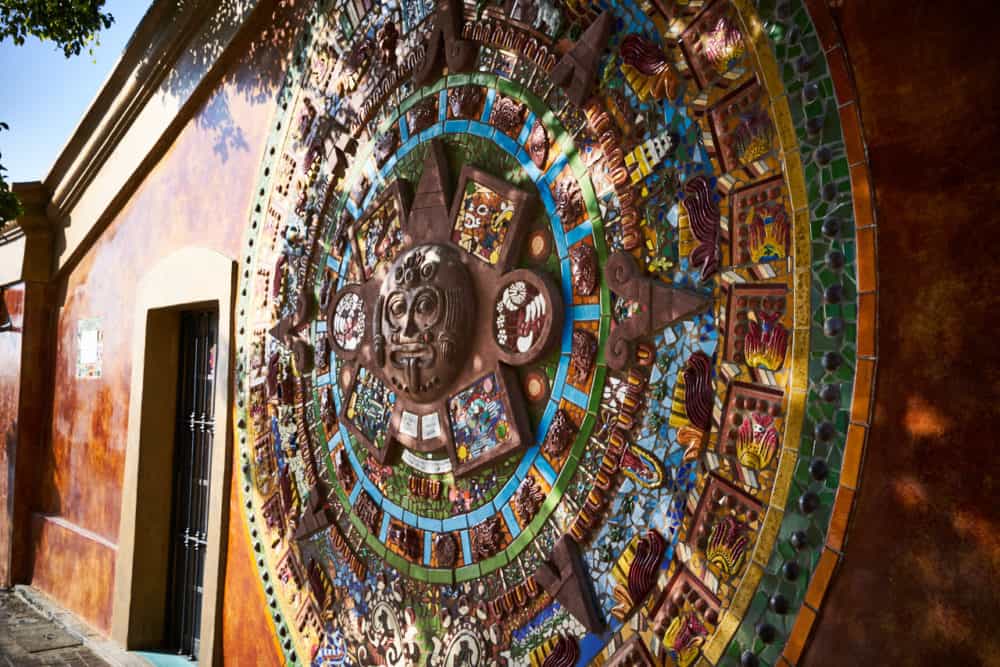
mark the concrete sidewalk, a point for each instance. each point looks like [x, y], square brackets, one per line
[35, 631]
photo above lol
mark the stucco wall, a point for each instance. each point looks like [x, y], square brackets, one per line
[10, 370]
[919, 578]
[197, 195]
[922, 549]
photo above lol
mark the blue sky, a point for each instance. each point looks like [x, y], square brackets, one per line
[45, 94]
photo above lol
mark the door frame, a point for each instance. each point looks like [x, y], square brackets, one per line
[189, 278]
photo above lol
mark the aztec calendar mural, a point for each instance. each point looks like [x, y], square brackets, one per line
[543, 319]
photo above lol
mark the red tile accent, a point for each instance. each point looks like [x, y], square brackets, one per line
[838, 520]
[850, 124]
[864, 376]
[866, 259]
[853, 451]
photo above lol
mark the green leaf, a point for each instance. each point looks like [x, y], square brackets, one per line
[71, 24]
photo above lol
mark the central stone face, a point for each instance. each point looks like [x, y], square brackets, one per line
[425, 321]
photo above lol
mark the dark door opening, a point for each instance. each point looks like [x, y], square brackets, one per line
[194, 431]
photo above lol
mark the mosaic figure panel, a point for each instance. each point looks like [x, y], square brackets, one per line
[483, 221]
[479, 420]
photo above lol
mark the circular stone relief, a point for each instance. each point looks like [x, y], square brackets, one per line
[349, 321]
[527, 316]
[561, 397]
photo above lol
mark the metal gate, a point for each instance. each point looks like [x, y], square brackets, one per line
[192, 466]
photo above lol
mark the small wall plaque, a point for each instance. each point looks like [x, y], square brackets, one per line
[89, 349]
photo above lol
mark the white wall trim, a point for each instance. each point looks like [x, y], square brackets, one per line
[187, 277]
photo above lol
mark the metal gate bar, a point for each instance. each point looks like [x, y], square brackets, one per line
[192, 466]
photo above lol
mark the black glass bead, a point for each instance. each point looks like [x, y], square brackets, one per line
[790, 570]
[833, 326]
[766, 632]
[819, 469]
[824, 431]
[830, 393]
[748, 659]
[831, 227]
[834, 294]
[779, 603]
[832, 361]
[814, 125]
[808, 502]
[835, 259]
[799, 540]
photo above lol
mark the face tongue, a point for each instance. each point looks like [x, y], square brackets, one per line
[412, 370]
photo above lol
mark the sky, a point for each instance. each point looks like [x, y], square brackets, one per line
[44, 94]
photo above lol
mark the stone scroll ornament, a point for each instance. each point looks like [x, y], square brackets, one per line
[520, 330]
[654, 305]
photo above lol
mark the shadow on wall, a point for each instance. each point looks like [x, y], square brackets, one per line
[919, 581]
[254, 77]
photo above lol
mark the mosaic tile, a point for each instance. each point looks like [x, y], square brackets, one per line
[637, 460]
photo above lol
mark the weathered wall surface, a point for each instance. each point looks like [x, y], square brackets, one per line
[919, 580]
[197, 195]
[10, 371]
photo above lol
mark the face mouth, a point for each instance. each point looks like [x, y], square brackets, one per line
[402, 354]
[412, 359]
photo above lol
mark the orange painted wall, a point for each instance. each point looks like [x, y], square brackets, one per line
[198, 194]
[922, 546]
[919, 578]
[10, 371]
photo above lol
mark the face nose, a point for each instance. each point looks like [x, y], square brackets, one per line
[410, 326]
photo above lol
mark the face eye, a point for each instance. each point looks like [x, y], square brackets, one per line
[397, 307]
[426, 305]
[482, 209]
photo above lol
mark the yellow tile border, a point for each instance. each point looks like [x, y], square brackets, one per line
[864, 380]
[794, 175]
[733, 616]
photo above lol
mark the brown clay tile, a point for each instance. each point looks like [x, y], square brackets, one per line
[866, 259]
[863, 379]
[854, 141]
[799, 635]
[820, 580]
[838, 520]
[864, 215]
[850, 471]
[867, 324]
[843, 83]
[821, 17]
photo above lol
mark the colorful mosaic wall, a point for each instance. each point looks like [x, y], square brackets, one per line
[549, 321]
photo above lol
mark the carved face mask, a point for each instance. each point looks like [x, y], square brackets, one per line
[426, 307]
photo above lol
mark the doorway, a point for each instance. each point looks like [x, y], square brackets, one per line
[194, 433]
